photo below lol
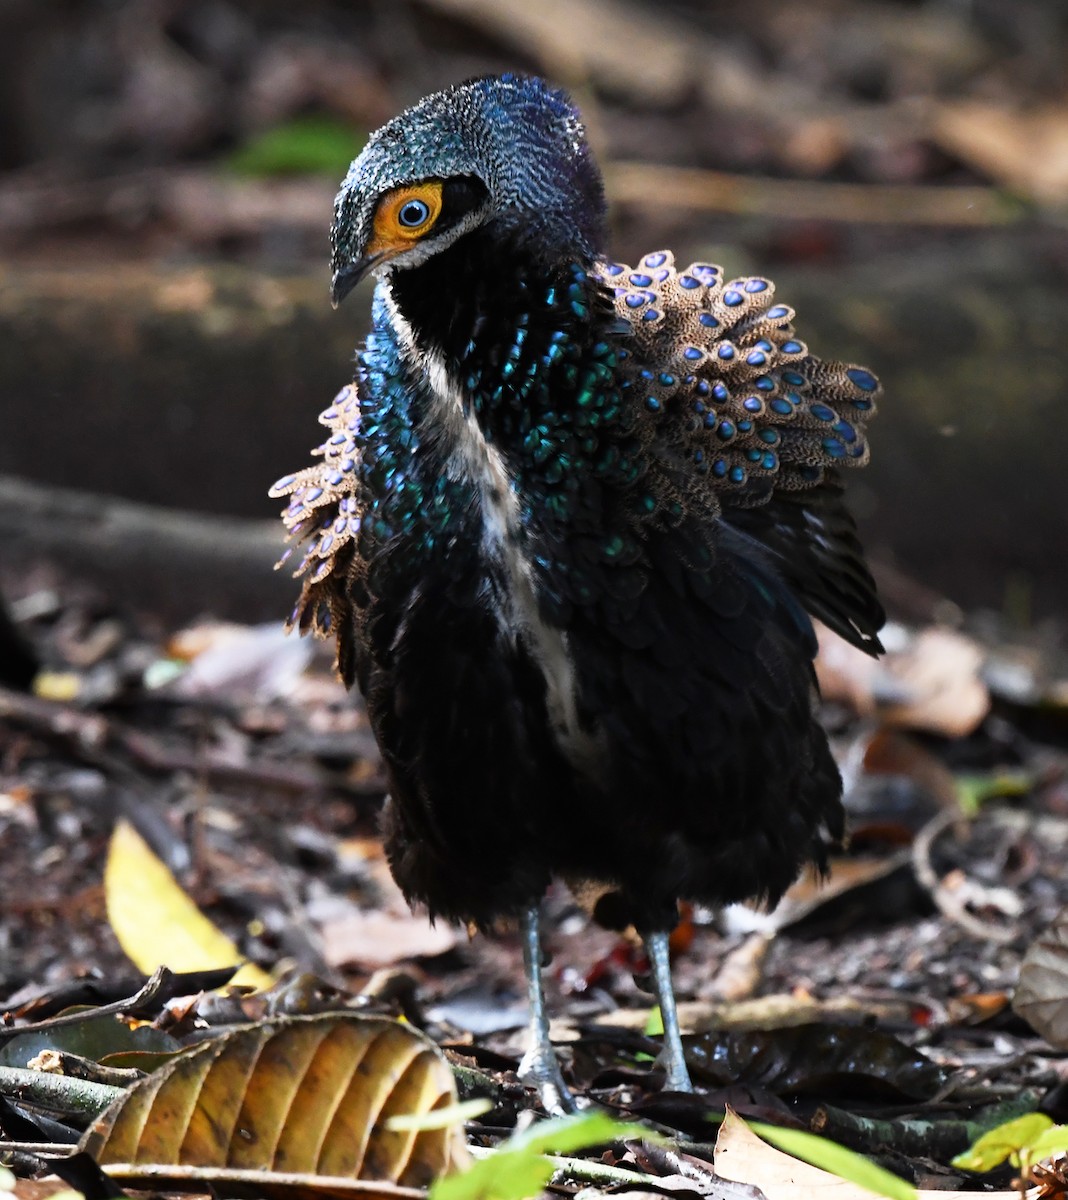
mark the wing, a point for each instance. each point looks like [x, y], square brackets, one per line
[812, 538]
[739, 417]
[324, 515]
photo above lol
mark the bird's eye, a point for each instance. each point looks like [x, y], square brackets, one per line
[413, 214]
[405, 215]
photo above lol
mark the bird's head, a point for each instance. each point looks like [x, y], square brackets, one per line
[505, 152]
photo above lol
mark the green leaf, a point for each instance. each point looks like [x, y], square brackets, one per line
[1053, 1141]
[565, 1135]
[304, 146]
[1005, 1141]
[973, 791]
[506, 1175]
[838, 1160]
[519, 1169]
[654, 1027]
[439, 1118]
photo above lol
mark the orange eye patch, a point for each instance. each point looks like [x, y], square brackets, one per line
[405, 215]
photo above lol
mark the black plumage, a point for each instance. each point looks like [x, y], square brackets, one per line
[568, 528]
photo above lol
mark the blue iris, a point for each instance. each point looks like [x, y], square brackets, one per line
[413, 213]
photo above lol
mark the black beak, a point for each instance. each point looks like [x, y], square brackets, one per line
[348, 276]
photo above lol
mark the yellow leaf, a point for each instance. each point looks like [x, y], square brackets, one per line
[156, 922]
[60, 686]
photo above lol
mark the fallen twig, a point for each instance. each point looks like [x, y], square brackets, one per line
[58, 1093]
[949, 902]
[89, 736]
[643, 185]
[938, 1138]
[156, 986]
[177, 563]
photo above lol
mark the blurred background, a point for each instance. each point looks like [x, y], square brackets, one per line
[167, 167]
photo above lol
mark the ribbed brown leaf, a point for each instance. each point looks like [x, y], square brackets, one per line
[299, 1096]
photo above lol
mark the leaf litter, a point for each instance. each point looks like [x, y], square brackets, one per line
[859, 1008]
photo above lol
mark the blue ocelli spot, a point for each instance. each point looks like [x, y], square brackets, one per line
[864, 380]
[688, 282]
[756, 285]
[732, 298]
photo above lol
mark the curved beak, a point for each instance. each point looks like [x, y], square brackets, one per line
[348, 276]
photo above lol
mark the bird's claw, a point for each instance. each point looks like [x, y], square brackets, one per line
[676, 1073]
[541, 1071]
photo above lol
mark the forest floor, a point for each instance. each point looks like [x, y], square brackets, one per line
[884, 994]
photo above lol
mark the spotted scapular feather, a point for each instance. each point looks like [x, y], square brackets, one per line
[721, 393]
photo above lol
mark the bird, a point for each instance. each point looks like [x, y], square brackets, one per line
[570, 527]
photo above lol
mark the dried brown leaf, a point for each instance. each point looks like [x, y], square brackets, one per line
[1025, 151]
[300, 1096]
[939, 676]
[932, 682]
[380, 939]
[745, 1158]
[1042, 994]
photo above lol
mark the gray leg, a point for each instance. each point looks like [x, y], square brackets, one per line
[539, 1066]
[677, 1078]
